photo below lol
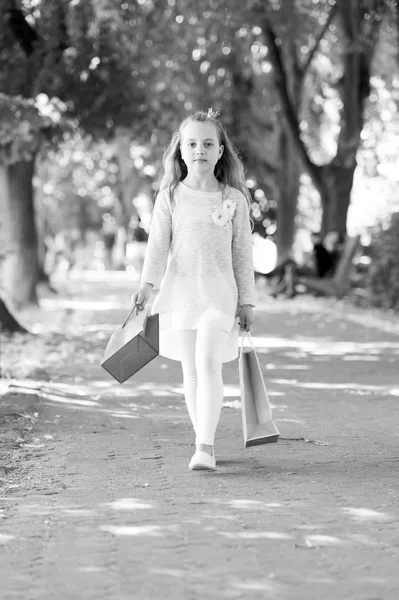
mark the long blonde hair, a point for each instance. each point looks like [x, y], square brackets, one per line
[229, 170]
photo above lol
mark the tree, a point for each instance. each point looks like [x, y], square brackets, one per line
[28, 59]
[8, 322]
[359, 22]
[24, 126]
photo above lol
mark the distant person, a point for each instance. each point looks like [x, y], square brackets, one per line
[334, 244]
[139, 238]
[139, 234]
[61, 254]
[199, 256]
[322, 263]
[109, 240]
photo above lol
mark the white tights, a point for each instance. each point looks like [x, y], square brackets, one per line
[202, 378]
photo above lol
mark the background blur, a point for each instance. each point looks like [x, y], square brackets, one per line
[91, 91]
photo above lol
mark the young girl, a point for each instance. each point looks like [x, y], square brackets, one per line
[199, 258]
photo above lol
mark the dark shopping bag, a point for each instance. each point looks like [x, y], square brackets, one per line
[257, 422]
[132, 346]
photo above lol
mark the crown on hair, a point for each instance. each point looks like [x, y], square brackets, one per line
[213, 114]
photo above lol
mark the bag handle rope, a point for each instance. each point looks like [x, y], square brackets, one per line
[246, 334]
[131, 312]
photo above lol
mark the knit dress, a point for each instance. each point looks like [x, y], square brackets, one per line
[199, 259]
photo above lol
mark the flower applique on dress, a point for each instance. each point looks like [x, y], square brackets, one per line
[222, 214]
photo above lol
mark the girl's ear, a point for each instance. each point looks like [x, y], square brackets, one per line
[221, 150]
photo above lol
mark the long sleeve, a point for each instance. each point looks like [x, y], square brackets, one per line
[242, 253]
[157, 252]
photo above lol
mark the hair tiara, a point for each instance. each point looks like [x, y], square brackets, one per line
[213, 114]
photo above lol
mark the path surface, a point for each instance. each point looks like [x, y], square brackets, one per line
[97, 500]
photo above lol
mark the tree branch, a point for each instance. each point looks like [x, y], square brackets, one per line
[289, 110]
[319, 37]
[23, 32]
[8, 322]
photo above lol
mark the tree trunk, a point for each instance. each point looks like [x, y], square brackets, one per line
[291, 168]
[8, 322]
[128, 185]
[337, 181]
[334, 180]
[20, 266]
[288, 199]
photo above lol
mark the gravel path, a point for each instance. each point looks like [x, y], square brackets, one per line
[96, 499]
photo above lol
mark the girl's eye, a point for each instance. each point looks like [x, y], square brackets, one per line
[209, 144]
[191, 144]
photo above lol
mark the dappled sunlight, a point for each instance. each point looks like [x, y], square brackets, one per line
[90, 569]
[236, 404]
[296, 355]
[256, 535]
[321, 346]
[362, 357]
[134, 406]
[232, 404]
[315, 541]
[257, 585]
[192, 521]
[281, 420]
[152, 389]
[64, 400]
[106, 276]
[243, 503]
[309, 527]
[103, 384]
[4, 386]
[128, 504]
[367, 514]
[351, 387]
[41, 390]
[231, 391]
[361, 538]
[91, 397]
[139, 530]
[170, 572]
[26, 386]
[5, 538]
[79, 512]
[272, 367]
[98, 328]
[218, 516]
[58, 303]
[40, 510]
[122, 415]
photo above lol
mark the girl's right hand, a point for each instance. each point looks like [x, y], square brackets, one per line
[140, 298]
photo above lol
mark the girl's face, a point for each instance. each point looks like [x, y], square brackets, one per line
[199, 146]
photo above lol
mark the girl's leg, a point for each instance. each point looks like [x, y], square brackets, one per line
[208, 359]
[187, 339]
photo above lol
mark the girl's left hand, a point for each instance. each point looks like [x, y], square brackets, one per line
[247, 318]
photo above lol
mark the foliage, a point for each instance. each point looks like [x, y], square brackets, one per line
[26, 123]
[145, 65]
[383, 278]
[76, 184]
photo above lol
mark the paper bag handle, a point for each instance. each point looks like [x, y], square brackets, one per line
[248, 334]
[130, 314]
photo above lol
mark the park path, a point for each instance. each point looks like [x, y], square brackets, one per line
[96, 499]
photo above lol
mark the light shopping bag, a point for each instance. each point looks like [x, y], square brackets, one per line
[257, 422]
[132, 346]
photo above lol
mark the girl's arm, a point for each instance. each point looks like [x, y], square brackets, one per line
[156, 255]
[242, 253]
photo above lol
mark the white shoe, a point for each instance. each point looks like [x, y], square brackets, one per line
[202, 461]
